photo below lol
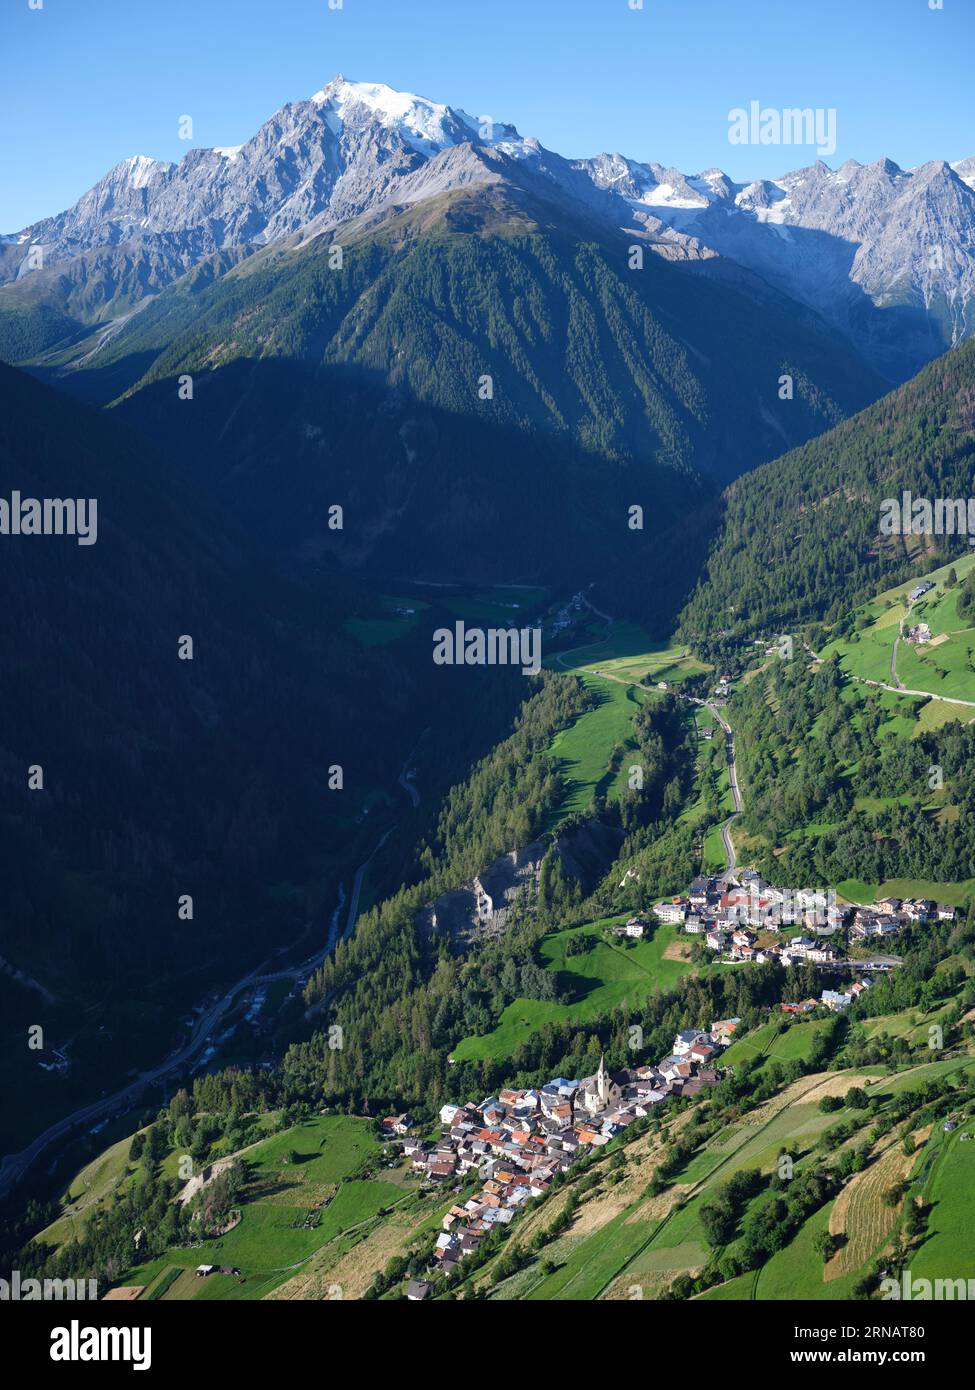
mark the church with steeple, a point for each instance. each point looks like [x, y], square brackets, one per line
[599, 1092]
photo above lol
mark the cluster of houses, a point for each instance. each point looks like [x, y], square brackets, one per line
[730, 914]
[919, 633]
[515, 1142]
[568, 614]
[890, 915]
[833, 999]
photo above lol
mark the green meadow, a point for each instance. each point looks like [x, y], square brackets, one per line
[301, 1194]
[595, 981]
[636, 1248]
[714, 851]
[500, 607]
[87, 1191]
[944, 667]
[613, 668]
[627, 653]
[948, 1189]
[854, 890]
[770, 1040]
[798, 1270]
[583, 751]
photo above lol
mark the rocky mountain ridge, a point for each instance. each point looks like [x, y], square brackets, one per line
[884, 254]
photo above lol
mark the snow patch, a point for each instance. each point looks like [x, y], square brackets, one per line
[663, 195]
[965, 169]
[423, 122]
[140, 169]
[429, 126]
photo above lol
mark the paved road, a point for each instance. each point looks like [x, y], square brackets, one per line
[729, 845]
[906, 690]
[14, 1166]
[899, 689]
[357, 885]
[895, 678]
[405, 781]
[596, 642]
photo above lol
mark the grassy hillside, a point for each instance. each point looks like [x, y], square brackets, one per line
[628, 1241]
[592, 983]
[303, 1199]
[584, 752]
[944, 666]
[324, 1207]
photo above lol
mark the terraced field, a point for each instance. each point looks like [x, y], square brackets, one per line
[642, 1244]
[861, 1214]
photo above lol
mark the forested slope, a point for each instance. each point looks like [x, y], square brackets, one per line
[800, 537]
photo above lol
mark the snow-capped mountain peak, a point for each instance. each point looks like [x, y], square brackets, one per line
[849, 241]
[429, 126]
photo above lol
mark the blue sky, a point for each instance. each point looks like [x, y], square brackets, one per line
[88, 82]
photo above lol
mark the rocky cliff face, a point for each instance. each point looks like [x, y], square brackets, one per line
[348, 149]
[483, 905]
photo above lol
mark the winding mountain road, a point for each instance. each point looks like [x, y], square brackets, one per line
[925, 694]
[14, 1166]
